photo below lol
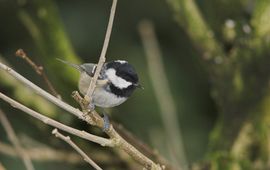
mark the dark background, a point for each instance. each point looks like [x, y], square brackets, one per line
[85, 24]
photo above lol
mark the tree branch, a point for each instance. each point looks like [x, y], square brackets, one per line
[102, 57]
[48, 154]
[2, 167]
[51, 122]
[14, 140]
[188, 16]
[163, 94]
[39, 70]
[23, 93]
[46, 28]
[116, 139]
[75, 147]
[42, 154]
[260, 18]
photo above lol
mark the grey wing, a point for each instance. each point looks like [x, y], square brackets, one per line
[89, 68]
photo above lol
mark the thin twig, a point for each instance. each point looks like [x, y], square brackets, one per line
[163, 93]
[116, 139]
[102, 58]
[51, 122]
[146, 149]
[45, 94]
[14, 140]
[2, 167]
[119, 141]
[42, 154]
[75, 147]
[45, 153]
[39, 70]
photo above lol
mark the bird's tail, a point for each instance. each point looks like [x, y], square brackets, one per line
[76, 66]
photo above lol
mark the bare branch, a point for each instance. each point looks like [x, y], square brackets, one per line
[119, 141]
[14, 140]
[189, 17]
[48, 154]
[39, 70]
[51, 122]
[2, 167]
[43, 93]
[75, 147]
[146, 149]
[42, 154]
[116, 139]
[102, 57]
[163, 93]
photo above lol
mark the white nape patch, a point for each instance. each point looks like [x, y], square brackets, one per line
[116, 80]
[121, 61]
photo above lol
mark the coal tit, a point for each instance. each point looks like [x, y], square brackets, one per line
[117, 81]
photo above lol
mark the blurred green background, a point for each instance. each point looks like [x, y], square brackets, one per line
[85, 24]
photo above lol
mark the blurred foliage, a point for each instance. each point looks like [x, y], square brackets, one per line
[27, 24]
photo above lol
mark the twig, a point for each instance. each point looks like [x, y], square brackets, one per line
[19, 90]
[45, 94]
[147, 150]
[163, 93]
[42, 154]
[2, 167]
[189, 17]
[51, 122]
[39, 70]
[119, 141]
[116, 139]
[48, 154]
[14, 140]
[102, 58]
[75, 147]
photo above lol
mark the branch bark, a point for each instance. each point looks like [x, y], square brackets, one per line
[116, 139]
[39, 70]
[76, 148]
[102, 57]
[233, 80]
[189, 17]
[15, 141]
[48, 154]
[51, 122]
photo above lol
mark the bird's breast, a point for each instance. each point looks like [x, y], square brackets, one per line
[105, 99]
[101, 96]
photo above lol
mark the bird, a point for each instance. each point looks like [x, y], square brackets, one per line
[117, 81]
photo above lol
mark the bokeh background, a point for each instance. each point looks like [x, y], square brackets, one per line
[84, 23]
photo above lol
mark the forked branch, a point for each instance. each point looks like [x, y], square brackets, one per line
[117, 140]
[15, 141]
[39, 70]
[75, 147]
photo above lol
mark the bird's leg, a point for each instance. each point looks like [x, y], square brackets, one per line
[106, 121]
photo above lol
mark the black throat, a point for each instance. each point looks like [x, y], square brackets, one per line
[125, 92]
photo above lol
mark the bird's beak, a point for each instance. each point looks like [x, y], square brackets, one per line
[139, 86]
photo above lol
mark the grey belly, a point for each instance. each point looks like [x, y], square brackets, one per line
[102, 98]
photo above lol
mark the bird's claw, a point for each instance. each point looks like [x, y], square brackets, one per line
[91, 107]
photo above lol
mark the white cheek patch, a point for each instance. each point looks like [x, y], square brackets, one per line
[116, 80]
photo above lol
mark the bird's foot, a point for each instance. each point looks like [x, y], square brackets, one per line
[88, 110]
[106, 120]
[91, 107]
